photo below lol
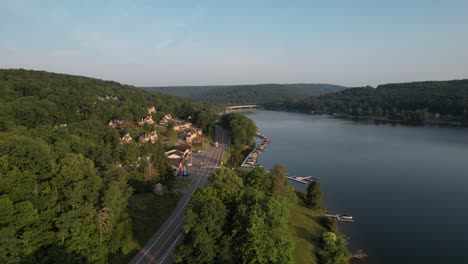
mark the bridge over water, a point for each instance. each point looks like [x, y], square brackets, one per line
[240, 107]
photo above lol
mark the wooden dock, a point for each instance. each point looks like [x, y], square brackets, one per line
[341, 217]
[303, 180]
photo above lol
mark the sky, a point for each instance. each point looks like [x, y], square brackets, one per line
[162, 43]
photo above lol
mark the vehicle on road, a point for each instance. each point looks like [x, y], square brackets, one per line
[216, 144]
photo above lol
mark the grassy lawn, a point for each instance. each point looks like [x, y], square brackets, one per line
[148, 212]
[306, 230]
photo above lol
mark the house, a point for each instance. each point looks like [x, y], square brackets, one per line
[193, 134]
[116, 123]
[151, 110]
[147, 120]
[126, 139]
[174, 154]
[185, 149]
[165, 120]
[180, 126]
[143, 139]
[149, 137]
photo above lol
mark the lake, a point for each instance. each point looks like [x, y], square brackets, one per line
[406, 186]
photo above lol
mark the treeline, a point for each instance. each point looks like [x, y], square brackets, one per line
[414, 102]
[65, 178]
[242, 131]
[247, 94]
[240, 218]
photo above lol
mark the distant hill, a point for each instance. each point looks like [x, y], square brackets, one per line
[247, 94]
[415, 101]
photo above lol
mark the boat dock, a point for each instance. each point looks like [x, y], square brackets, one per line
[341, 217]
[303, 180]
[251, 159]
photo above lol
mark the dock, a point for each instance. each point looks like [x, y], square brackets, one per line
[341, 217]
[303, 180]
[251, 159]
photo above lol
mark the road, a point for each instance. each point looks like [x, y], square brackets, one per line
[159, 248]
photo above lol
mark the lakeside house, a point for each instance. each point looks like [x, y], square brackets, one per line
[126, 139]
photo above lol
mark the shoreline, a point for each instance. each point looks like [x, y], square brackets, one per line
[251, 159]
[379, 119]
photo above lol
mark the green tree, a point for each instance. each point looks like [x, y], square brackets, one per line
[205, 218]
[226, 185]
[333, 249]
[314, 195]
[260, 229]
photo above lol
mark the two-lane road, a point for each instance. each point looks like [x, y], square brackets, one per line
[159, 248]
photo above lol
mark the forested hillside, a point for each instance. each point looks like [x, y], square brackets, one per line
[65, 175]
[415, 102]
[247, 94]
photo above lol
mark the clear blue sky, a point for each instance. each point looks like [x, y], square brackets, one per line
[348, 42]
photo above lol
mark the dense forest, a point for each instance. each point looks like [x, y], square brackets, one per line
[65, 177]
[413, 102]
[247, 94]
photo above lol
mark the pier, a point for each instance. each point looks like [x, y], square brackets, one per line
[251, 159]
[341, 217]
[303, 180]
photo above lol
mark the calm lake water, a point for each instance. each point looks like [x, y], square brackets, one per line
[406, 186]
